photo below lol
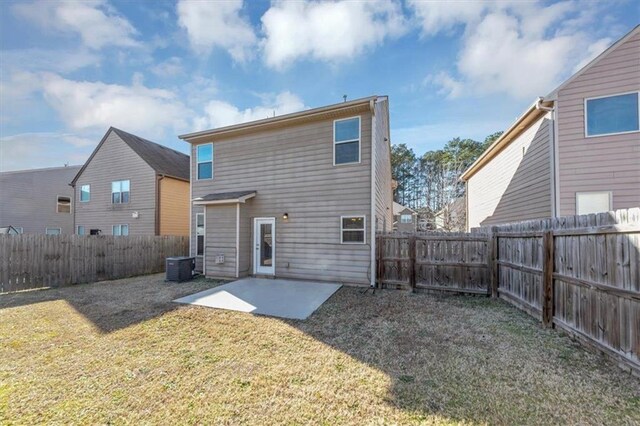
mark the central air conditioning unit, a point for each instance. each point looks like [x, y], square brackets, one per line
[180, 268]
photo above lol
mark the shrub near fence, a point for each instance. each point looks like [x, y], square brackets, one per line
[37, 261]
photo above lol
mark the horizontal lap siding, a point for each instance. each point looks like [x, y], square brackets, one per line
[220, 239]
[292, 171]
[383, 191]
[116, 161]
[513, 186]
[174, 207]
[604, 163]
[33, 199]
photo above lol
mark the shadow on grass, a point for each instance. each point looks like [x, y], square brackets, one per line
[114, 305]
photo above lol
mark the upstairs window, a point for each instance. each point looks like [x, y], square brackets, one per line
[405, 218]
[120, 230]
[85, 193]
[120, 192]
[612, 114]
[346, 141]
[199, 234]
[204, 161]
[64, 205]
[352, 229]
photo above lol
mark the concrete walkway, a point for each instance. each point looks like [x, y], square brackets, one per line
[278, 298]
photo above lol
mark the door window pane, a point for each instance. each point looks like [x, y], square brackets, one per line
[266, 245]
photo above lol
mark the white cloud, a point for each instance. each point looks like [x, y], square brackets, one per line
[97, 23]
[219, 113]
[43, 149]
[327, 31]
[510, 47]
[217, 24]
[86, 105]
[54, 60]
[169, 68]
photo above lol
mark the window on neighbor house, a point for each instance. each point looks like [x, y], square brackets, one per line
[85, 193]
[120, 230]
[18, 229]
[352, 229]
[120, 192]
[199, 234]
[612, 114]
[204, 161]
[64, 205]
[346, 141]
[593, 202]
[80, 230]
[405, 218]
[53, 231]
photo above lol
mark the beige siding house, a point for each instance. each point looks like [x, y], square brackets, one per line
[38, 201]
[574, 151]
[132, 186]
[295, 196]
[404, 218]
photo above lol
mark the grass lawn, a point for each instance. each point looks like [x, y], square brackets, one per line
[121, 352]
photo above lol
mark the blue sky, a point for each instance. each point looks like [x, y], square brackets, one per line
[69, 70]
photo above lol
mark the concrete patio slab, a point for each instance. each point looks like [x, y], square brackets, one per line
[278, 298]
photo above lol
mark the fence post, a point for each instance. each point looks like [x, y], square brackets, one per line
[547, 279]
[493, 261]
[412, 262]
[379, 263]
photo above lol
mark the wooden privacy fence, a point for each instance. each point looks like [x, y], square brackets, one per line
[578, 273]
[434, 261]
[37, 261]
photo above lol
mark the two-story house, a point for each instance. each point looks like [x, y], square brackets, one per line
[294, 196]
[132, 186]
[404, 218]
[38, 201]
[574, 151]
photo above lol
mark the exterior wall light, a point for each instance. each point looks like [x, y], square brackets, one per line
[285, 216]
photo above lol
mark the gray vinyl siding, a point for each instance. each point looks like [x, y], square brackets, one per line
[29, 199]
[115, 161]
[220, 239]
[383, 190]
[292, 171]
[603, 163]
[514, 186]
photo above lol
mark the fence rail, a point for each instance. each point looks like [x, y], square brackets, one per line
[578, 273]
[38, 261]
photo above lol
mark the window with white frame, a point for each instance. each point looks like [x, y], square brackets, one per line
[608, 115]
[120, 192]
[405, 218]
[593, 202]
[204, 161]
[80, 230]
[85, 193]
[120, 230]
[346, 141]
[199, 234]
[53, 231]
[19, 229]
[352, 229]
[64, 205]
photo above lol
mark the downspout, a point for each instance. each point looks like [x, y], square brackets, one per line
[73, 219]
[159, 177]
[372, 238]
[554, 155]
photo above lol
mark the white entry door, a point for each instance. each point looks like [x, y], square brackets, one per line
[264, 243]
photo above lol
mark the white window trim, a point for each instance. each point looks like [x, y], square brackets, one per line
[359, 140]
[46, 229]
[404, 215]
[198, 162]
[80, 193]
[364, 229]
[204, 235]
[121, 225]
[587, 135]
[610, 193]
[121, 191]
[58, 204]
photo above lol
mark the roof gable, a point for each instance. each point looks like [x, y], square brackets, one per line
[163, 160]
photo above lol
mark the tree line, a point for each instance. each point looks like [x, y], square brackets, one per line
[430, 183]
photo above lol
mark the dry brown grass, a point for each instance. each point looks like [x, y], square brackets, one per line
[121, 352]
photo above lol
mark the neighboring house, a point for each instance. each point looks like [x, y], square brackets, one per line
[132, 186]
[404, 219]
[295, 196]
[575, 151]
[38, 201]
[452, 217]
